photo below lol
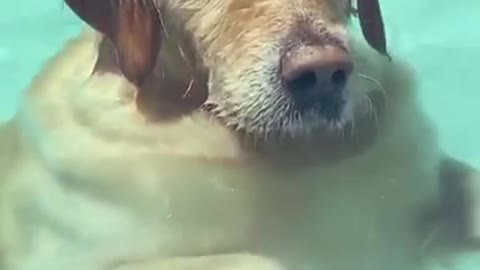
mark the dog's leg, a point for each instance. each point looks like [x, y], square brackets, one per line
[459, 216]
[215, 262]
[460, 199]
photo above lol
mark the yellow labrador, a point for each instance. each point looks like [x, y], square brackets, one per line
[228, 135]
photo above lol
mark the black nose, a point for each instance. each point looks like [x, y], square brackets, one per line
[317, 76]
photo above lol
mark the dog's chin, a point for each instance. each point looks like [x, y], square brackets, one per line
[286, 135]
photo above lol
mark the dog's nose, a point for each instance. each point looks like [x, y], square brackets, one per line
[312, 73]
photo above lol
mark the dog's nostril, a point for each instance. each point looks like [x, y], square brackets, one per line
[316, 77]
[339, 78]
[304, 82]
[316, 70]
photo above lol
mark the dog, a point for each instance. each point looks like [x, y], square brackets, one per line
[229, 135]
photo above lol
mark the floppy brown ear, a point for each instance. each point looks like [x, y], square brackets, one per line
[133, 26]
[371, 23]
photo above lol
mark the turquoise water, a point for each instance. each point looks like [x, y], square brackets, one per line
[441, 39]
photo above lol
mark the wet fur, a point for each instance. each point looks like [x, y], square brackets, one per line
[94, 183]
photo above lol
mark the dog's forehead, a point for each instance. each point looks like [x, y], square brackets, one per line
[231, 5]
[278, 10]
[315, 4]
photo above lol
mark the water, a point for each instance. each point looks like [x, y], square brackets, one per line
[441, 39]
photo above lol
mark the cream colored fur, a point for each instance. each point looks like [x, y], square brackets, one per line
[91, 185]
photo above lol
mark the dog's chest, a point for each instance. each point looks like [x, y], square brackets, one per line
[352, 212]
[145, 204]
[195, 212]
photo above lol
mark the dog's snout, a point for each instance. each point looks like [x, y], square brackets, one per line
[321, 69]
[316, 77]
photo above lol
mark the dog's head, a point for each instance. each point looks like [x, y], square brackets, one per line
[276, 68]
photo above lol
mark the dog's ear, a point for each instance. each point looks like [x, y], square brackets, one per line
[134, 28]
[371, 23]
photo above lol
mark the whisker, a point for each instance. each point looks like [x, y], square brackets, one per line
[162, 22]
[372, 110]
[183, 55]
[342, 130]
[352, 131]
[189, 88]
[371, 79]
[380, 88]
